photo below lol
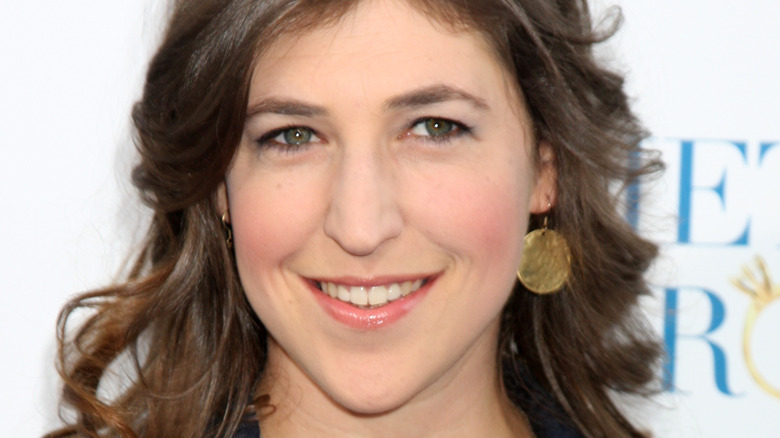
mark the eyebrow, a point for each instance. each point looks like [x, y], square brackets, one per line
[433, 95]
[287, 107]
[415, 98]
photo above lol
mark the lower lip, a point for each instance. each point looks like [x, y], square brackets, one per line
[371, 319]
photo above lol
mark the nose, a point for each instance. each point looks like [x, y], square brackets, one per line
[363, 211]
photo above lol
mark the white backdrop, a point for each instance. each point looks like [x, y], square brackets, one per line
[704, 75]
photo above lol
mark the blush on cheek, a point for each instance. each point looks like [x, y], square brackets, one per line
[478, 214]
[498, 224]
[267, 226]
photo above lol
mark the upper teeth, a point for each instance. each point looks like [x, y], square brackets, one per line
[370, 296]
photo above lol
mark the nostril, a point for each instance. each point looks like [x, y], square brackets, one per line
[363, 212]
[360, 241]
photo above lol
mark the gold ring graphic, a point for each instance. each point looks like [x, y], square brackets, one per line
[761, 292]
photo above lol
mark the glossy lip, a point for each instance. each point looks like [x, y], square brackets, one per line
[370, 319]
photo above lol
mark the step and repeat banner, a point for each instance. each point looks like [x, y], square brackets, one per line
[704, 76]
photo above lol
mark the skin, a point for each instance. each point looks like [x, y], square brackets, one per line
[373, 194]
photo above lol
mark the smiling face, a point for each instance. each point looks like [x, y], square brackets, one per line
[378, 202]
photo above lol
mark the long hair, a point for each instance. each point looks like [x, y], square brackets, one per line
[180, 318]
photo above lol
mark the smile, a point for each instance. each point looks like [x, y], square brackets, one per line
[372, 296]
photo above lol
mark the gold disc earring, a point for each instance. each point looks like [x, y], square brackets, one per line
[226, 226]
[546, 261]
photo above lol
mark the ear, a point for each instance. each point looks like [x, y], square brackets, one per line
[546, 187]
[222, 201]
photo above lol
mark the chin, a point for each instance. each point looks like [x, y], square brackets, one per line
[369, 405]
[375, 396]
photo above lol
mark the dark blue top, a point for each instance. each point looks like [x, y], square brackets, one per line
[248, 430]
[547, 417]
[544, 427]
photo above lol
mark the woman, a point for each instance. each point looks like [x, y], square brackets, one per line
[341, 191]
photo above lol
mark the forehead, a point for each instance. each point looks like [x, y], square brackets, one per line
[380, 42]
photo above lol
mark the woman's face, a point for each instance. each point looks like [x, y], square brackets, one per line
[382, 156]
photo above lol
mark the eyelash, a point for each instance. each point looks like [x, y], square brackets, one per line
[458, 129]
[268, 140]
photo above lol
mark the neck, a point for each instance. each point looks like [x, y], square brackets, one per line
[468, 401]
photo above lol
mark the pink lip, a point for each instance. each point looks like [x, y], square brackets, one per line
[369, 319]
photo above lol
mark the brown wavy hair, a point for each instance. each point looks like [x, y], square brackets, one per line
[196, 350]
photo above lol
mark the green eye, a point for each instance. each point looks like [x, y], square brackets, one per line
[296, 136]
[289, 140]
[438, 127]
[439, 130]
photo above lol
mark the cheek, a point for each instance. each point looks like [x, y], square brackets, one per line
[270, 220]
[479, 217]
